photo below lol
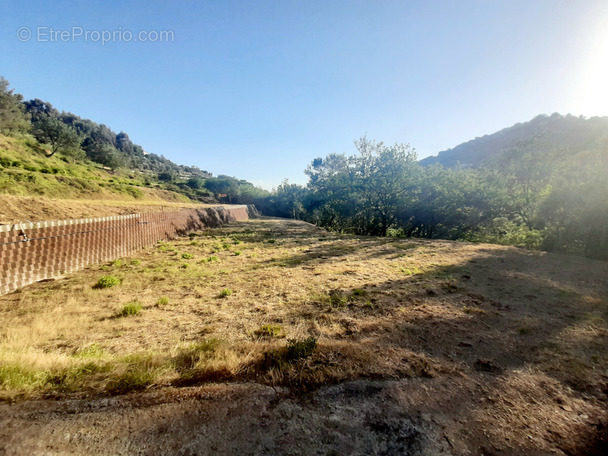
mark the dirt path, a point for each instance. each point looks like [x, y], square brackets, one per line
[354, 418]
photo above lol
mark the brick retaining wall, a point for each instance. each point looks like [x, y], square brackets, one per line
[30, 252]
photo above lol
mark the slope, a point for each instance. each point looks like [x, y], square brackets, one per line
[545, 134]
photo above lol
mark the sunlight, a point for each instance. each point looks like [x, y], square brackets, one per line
[592, 91]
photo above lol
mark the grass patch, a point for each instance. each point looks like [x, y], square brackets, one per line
[162, 301]
[108, 281]
[132, 380]
[269, 331]
[225, 293]
[131, 308]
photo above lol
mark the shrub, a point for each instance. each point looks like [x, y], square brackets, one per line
[107, 282]
[131, 308]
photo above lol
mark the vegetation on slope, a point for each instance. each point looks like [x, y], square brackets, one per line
[543, 134]
[42, 137]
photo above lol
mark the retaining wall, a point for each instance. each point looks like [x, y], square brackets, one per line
[30, 252]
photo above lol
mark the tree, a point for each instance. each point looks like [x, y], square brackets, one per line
[13, 117]
[48, 129]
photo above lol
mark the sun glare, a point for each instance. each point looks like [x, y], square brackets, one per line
[592, 88]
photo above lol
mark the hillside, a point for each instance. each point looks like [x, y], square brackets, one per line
[55, 154]
[35, 187]
[274, 336]
[544, 134]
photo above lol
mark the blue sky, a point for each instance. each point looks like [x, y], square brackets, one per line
[258, 89]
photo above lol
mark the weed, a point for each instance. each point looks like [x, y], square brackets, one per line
[107, 282]
[194, 243]
[186, 256]
[213, 259]
[298, 349]
[269, 331]
[131, 308]
[359, 292]
[185, 266]
[411, 272]
[225, 292]
[162, 301]
[116, 263]
[271, 241]
[237, 252]
[135, 262]
[337, 298]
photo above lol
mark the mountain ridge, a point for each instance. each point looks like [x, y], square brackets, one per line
[567, 132]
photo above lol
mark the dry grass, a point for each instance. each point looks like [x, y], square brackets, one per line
[375, 308]
[35, 209]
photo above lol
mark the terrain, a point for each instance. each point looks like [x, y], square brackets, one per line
[544, 135]
[35, 187]
[274, 336]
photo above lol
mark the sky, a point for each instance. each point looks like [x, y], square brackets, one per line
[258, 89]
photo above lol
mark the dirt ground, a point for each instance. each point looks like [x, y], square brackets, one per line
[423, 348]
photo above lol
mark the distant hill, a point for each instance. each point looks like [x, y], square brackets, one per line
[568, 134]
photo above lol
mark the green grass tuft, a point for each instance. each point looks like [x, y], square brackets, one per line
[107, 282]
[131, 308]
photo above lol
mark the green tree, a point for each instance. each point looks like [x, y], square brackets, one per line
[48, 129]
[13, 117]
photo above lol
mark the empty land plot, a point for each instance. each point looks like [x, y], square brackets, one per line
[508, 347]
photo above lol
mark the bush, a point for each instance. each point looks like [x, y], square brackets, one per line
[107, 282]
